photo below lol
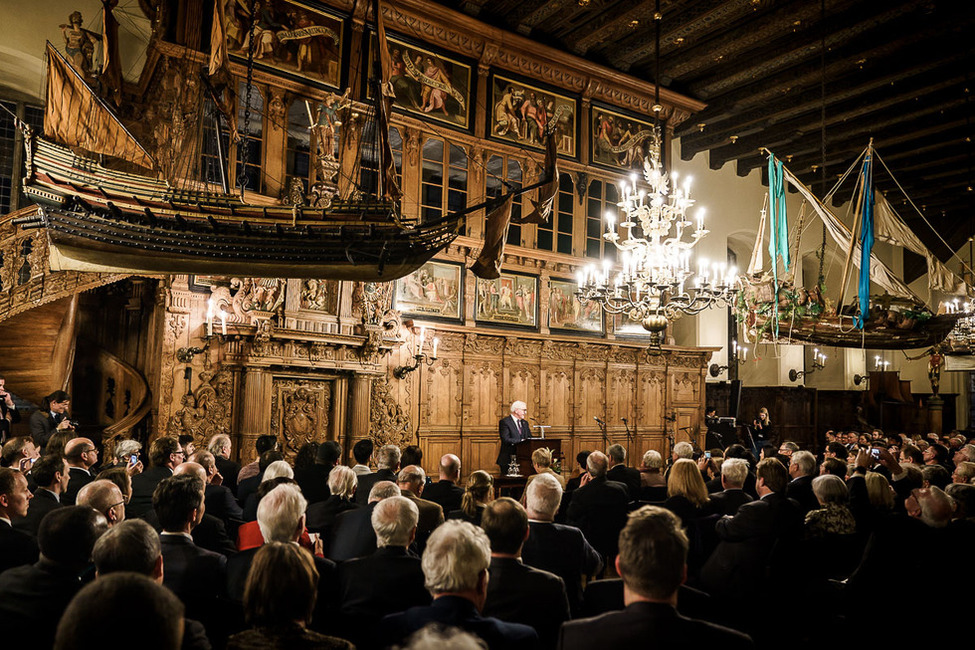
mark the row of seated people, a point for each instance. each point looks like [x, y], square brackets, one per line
[722, 558]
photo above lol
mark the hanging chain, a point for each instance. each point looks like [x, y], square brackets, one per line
[242, 148]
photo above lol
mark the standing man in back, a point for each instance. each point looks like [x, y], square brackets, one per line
[513, 430]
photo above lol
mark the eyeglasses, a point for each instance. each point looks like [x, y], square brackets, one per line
[90, 449]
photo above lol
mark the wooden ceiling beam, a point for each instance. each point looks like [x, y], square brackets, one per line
[607, 26]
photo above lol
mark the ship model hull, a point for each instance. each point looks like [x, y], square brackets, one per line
[104, 220]
[841, 333]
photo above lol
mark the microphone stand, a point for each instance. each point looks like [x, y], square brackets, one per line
[602, 427]
[629, 437]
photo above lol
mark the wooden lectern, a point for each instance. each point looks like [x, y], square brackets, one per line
[525, 449]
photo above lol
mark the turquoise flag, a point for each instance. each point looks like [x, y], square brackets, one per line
[866, 241]
[778, 241]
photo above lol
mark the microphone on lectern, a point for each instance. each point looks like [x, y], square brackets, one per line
[600, 422]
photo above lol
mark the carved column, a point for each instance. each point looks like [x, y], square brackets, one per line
[337, 426]
[483, 68]
[411, 171]
[357, 418]
[275, 134]
[255, 411]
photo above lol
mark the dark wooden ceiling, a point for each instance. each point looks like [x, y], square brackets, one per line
[898, 71]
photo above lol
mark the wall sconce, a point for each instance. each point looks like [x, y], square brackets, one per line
[420, 357]
[819, 362]
[739, 356]
[860, 379]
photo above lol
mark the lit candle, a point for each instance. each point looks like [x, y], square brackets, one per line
[223, 322]
[423, 336]
[581, 277]
[700, 219]
[436, 344]
[744, 354]
[210, 317]
[610, 222]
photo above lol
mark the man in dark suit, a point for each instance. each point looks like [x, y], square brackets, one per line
[599, 507]
[194, 574]
[455, 567]
[734, 471]
[51, 475]
[19, 453]
[388, 581]
[81, 455]
[736, 568]
[247, 488]
[618, 471]
[33, 597]
[165, 454]
[51, 417]
[517, 593]
[412, 481]
[219, 500]
[281, 516]
[313, 480]
[512, 430]
[8, 411]
[387, 464]
[802, 469]
[562, 550]
[445, 492]
[220, 447]
[653, 564]
[16, 548]
[352, 534]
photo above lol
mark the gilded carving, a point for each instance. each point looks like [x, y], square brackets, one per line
[413, 146]
[523, 348]
[372, 303]
[257, 294]
[299, 412]
[477, 344]
[206, 411]
[262, 338]
[389, 423]
[318, 295]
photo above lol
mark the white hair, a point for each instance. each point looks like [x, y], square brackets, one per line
[616, 453]
[734, 471]
[806, 462]
[456, 555]
[412, 475]
[597, 463]
[276, 469]
[683, 449]
[342, 481]
[126, 448]
[383, 490]
[518, 405]
[652, 459]
[279, 512]
[432, 637]
[388, 457]
[218, 443]
[544, 495]
[394, 519]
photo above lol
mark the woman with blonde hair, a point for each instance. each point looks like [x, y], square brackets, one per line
[687, 495]
[479, 493]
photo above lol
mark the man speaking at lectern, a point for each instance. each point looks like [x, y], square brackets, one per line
[512, 429]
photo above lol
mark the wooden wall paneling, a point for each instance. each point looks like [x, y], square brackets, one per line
[481, 452]
[434, 446]
[301, 410]
[443, 397]
[558, 398]
[255, 411]
[621, 403]
[483, 393]
[591, 400]
[524, 384]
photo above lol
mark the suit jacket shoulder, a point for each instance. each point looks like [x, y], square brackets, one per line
[16, 548]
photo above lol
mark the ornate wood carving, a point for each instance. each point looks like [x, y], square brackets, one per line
[390, 422]
[300, 412]
[319, 295]
[207, 410]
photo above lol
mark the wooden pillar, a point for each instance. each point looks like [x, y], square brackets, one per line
[359, 404]
[275, 137]
[255, 411]
[936, 407]
[337, 426]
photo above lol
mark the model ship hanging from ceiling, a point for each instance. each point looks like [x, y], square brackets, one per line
[134, 215]
[771, 308]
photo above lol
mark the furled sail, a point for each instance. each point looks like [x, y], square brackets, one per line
[547, 193]
[890, 228]
[488, 263]
[880, 273]
[387, 167]
[76, 116]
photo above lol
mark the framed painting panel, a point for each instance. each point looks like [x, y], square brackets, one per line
[511, 299]
[521, 112]
[435, 290]
[565, 312]
[428, 84]
[299, 38]
[623, 325]
[620, 141]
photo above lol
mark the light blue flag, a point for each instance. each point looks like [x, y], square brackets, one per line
[866, 241]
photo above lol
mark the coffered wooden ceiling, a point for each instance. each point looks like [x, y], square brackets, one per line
[898, 71]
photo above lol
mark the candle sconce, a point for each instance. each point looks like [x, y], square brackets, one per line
[420, 358]
[819, 362]
[860, 379]
[739, 356]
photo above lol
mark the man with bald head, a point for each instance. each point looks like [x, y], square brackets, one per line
[81, 455]
[445, 492]
[411, 483]
[105, 497]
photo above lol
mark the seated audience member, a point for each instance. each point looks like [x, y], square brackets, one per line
[599, 507]
[165, 455]
[388, 581]
[542, 464]
[479, 493]
[51, 418]
[81, 455]
[964, 454]
[304, 462]
[279, 601]
[133, 546]
[557, 548]
[836, 450]
[964, 472]
[119, 477]
[785, 451]
[833, 517]
[281, 516]
[738, 451]
[653, 485]
[412, 482]
[433, 637]
[387, 464]
[105, 497]
[313, 480]
[412, 455]
[219, 500]
[262, 445]
[445, 492]
[211, 532]
[687, 496]
[277, 468]
[51, 475]
[964, 498]
[18, 453]
[124, 452]
[911, 454]
[935, 475]
[517, 593]
[55, 445]
[249, 534]
[17, 548]
[802, 469]
[342, 485]
[734, 471]
[455, 566]
[33, 597]
[362, 453]
[188, 443]
[653, 564]
[126, 597]
[196, 575]
[220, 446]
[579, 472]
[353, 535]
[936, 454]
[833, 466]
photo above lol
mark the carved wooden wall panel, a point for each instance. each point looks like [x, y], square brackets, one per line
[523, 384]
[444, 385]
[300, 412]
[591, 396]
[483, 393]
[651, 385]
[558, 400]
